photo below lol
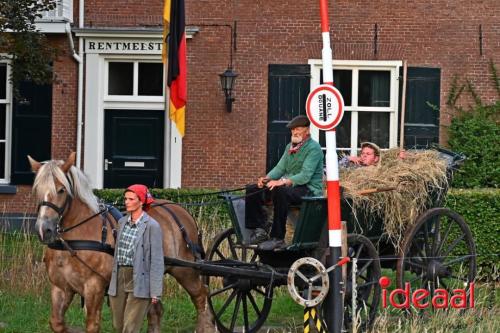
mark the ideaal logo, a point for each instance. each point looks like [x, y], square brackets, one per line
[422, 298]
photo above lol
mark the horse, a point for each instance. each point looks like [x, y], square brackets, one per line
[79, 233]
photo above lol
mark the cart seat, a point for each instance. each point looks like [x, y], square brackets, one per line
[310, 224]
[309, 220]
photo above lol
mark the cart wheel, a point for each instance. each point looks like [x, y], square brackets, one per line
[439, 252]
[238, 305]
[367, 283]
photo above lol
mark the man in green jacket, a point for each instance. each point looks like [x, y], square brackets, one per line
[299, 173]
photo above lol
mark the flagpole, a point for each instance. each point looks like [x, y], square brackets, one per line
[334, 306]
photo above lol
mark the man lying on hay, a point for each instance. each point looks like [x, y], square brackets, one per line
[415, 182]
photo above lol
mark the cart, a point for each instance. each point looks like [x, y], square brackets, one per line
[437, 252]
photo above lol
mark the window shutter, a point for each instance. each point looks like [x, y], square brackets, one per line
[31, 130]
[288, 90]
[422, 107]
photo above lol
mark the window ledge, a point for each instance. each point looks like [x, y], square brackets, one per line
[8, 189]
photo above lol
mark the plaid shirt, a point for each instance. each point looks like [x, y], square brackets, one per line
[125, 252]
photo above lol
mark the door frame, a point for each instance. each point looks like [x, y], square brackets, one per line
[96, 102]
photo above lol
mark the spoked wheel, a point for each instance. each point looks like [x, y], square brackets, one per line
[238, 305]
[439, 252]
[368, 273]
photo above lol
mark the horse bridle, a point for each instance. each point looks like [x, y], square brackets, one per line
[59, 210]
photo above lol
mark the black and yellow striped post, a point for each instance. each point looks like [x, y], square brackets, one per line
[312, 315]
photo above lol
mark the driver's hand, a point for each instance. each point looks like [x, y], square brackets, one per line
[262, 181]
[275, 183]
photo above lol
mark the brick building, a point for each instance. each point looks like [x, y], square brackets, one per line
[108, 84]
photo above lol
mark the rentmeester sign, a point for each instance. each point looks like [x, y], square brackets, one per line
[141, 46]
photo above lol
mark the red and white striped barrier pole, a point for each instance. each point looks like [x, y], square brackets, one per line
[334, 307]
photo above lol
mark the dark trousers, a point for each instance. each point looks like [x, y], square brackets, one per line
[282, 197]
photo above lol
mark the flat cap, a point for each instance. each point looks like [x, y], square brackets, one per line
[371, 145]
[299, 121]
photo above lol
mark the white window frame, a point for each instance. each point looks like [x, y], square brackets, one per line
[8, 124]
[393, 66]
[135, 97]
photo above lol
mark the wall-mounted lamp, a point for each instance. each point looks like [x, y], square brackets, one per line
[227, 83]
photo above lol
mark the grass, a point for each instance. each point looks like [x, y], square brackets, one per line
[25, 300]
[482, 319]
[29, 313]
[23, 311]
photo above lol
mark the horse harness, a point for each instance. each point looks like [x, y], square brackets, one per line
[196, 249]
[74, 245]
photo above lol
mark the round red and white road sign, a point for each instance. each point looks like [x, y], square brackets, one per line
[325, 107]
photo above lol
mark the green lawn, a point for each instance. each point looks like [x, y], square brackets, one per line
[24, 313]
[25, 303]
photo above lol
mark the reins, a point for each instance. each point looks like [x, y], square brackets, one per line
[212, 193]
[212, 202]
[63, 230]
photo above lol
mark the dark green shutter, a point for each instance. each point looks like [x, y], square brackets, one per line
[31, 130]
[289, 86]
[422, 107]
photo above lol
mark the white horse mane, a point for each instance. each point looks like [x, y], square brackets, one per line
[76, 184]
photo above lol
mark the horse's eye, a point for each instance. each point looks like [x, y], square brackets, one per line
[61, 191]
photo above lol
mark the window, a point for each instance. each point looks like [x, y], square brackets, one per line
[5, 106]
[150, 79]
[121, 78]
[134, 78]
[370, 92]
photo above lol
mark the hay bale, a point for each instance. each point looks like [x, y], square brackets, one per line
[419, 180]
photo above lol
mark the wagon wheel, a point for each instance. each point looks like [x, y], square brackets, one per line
[439, 252]
[238, 305]
[367, 282]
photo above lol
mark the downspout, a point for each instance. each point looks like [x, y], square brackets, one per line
[78, 58]
[72, 44]
[79, 120]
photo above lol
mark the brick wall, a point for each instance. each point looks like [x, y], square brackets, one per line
[64, 100]
[228, 149]
[22, 202]
[222, 149]
[123, 13]
[64, 110]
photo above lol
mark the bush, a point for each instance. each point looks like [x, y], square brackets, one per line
[475, 134]
[479, 207]
[208, 210]
[199, 202]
